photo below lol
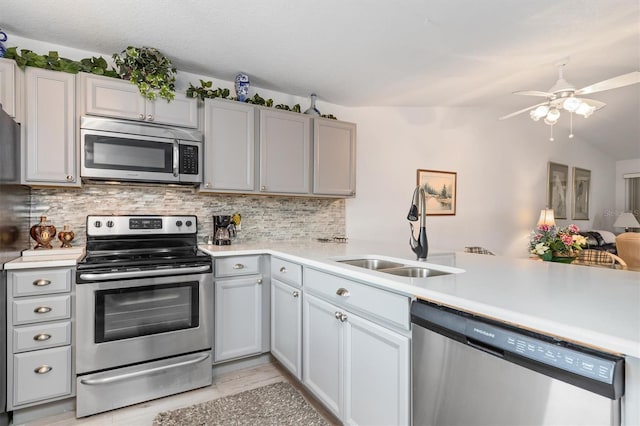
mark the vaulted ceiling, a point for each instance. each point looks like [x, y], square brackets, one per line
[455, 53]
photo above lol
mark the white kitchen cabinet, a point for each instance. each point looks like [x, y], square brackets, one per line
[229, 137]
[286, 326]
[285, 158]
[334, 157]
[50, 154]
[39, 336]
[8, 86]
[352, 363]
[241, 308]
[112, 97]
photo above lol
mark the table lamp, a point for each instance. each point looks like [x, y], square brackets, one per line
[546, 217]
[626, 221]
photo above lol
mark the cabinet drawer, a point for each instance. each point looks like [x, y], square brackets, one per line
[360, 298]
[41, 336]
[237, 265]
[41, 375]
[286, 271]
[37, 309]
[41, 281]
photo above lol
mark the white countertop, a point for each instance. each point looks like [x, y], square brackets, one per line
[592, 306]
[51, 258]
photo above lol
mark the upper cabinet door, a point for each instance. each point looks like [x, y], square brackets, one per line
[334, 157]
[284, 152]
[229, 137]
[50, 147]
[112, 97]
[8, 86]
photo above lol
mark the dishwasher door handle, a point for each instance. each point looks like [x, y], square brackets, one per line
[485, 348]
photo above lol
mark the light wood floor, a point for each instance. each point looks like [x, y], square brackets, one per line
[226, 383]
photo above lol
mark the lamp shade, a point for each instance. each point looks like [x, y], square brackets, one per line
[546, 217]
[626, 221]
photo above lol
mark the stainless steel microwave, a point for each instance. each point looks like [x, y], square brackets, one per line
[121, 150]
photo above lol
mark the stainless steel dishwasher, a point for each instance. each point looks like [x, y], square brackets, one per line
[469, 370]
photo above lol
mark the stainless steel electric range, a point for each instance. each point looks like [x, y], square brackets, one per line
[143, 299]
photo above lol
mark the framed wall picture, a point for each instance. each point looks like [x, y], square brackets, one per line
[440, 190]
[557, 178]
[581, 185]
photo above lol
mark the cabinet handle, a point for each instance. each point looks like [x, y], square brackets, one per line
[263, 188]
[41, 282]
[283, 270]
[296, 294]
[43, 369]
[259, 280]
[343, 292]
[141, 116]
[42, 310]
[207, 185]
[41, 337]
[341, 316]
[238, 266]
[69, 178]
[149, 117]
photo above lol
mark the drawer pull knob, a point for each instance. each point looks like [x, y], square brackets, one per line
[283, 270]
[259, 280]
[43, 369]
[296, 294]
[41, 282]
[150, 117]
[41, 337]
[42, 310]
[238, 266]
[343, 292]
[341, 316]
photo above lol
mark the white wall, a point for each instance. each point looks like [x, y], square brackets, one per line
[501, 168]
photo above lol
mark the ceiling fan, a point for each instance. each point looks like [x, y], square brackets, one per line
[564, 96]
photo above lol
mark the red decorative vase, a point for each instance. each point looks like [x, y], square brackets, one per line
[43, 233]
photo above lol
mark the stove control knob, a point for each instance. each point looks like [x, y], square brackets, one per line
[109, 224]
[178, 223]
[189, 223]
[97, 224]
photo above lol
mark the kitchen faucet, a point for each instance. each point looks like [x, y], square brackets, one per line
[420, 246]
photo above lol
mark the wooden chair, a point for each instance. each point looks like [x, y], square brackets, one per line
[628, 247]
[478, 250]
[600, 258]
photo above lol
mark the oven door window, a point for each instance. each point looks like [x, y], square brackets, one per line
[141, 311]
[119, 153]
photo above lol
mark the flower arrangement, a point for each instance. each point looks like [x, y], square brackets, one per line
[550, 242]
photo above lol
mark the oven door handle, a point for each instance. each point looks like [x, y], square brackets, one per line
[176, 158]
[128, 376]
[137, 274]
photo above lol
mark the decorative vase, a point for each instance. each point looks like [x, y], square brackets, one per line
[242, 87]
[66, 236]
[563, 257]
[43, 233]
[3, 37]
[312, 109]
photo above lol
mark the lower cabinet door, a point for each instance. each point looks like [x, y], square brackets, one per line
[376, 374]
[322, 366]
[237, 317]
[286, 323]
[43, 374]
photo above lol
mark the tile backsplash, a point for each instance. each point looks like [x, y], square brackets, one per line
[263, 217]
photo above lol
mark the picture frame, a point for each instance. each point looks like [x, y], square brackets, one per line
[581, 187]
[440, 189]
[557, 179]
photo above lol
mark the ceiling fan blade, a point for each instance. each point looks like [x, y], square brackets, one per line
[594, 103]
[521, 111]
[612, 83]
[534, 93]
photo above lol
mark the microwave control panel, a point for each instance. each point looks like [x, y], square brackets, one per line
[188, 160]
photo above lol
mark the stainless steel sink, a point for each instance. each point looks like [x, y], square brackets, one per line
[414, 272]
[375, 264]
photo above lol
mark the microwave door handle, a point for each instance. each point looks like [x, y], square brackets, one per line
[176, 158]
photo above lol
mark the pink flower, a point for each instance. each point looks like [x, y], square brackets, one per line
[573, 229]
[544, 227]
[566, 239]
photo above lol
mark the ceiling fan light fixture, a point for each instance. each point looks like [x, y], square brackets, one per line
[539, 112]
[553, 115]
[585, 110]
[571, 104]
